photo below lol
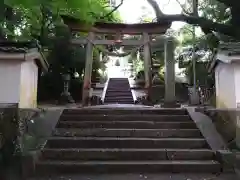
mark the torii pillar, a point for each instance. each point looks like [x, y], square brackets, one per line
[147, 61]
[88, 70]
[170, 99]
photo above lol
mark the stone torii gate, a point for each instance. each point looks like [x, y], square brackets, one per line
[118, 29]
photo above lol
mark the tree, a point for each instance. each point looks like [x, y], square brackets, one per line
[36, 18]
[230, 28]
[203, 46]
[41, 20]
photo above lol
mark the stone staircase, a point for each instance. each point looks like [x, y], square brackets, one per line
[126, 141]
[118, 92]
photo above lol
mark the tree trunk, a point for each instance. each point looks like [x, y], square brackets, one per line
[10, 24]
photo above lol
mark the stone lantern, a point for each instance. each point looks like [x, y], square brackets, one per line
[66, 96]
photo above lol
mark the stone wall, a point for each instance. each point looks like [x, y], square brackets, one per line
[23, 131]
[157, 93]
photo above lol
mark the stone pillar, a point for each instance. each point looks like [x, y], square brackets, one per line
[147, 61]
[88, 70]
[102, 64]
[169, 61]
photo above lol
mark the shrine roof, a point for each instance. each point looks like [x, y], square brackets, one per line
[111, 28]
[23, 47]
[16, 47]
[226, 53]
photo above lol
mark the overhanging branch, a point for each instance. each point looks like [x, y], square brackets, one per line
[206, 24]
[156, 9]
[203, 23]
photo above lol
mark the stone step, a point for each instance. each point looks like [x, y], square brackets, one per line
[122, 95]
[127, 124]
[118, 89]
[128, 117]
[143, 133]
[162, 111]
[118, 85]
[111, 167]
[127, 154]
[118, 102]
[126, 96]
[114, 102]
[118, 92]
[115, 142]
[117, 98]
[114, 81]
[113, 84]
[118, 82]
[118, 79]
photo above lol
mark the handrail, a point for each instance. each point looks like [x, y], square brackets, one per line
[104, 91]
[133, 94]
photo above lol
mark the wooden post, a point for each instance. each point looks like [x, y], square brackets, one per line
[169, 73]
[88, 70]
[147, 61]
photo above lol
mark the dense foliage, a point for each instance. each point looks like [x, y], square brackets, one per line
[192, 16]
[204, 44]
[41, 20]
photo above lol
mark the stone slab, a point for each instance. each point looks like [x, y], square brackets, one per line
[208, 130]
[119, 106]
[43, 125]
[139, 176]
[227, 159]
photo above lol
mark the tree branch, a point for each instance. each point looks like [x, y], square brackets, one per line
[116, 8]
[183, 9]
[156, 8]
[203, 23]
[207, 25]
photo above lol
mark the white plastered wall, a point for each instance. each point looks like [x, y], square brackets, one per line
[18, 79]
[225, 86]
[9, 81]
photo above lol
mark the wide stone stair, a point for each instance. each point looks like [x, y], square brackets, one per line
[126, 141]
[118, 92]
